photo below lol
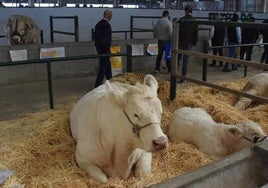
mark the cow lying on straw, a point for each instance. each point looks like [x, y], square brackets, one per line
[257, 85]
[21, 29]
[196, 126]
[116, 127]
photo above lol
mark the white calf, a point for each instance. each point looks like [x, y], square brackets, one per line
[195, 126]
[257, 85]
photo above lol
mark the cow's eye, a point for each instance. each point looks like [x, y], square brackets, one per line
[136, 116]
[254, 134]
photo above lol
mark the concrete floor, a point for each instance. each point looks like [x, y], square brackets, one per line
[20, 99]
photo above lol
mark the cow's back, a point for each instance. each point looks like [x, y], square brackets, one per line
[258, 83]
[83, 110]
[189, 124]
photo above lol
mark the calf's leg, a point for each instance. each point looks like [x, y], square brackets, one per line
[143, 165]
[93, 171]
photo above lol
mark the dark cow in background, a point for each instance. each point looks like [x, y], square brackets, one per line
[21, 29]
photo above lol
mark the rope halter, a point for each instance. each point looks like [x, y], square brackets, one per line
[136, 128]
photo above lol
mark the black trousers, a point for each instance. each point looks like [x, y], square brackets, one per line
[105, 69]
[246, 50]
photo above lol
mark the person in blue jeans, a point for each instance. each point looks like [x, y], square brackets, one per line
[234, 38]
[163, 33]
[188, 37]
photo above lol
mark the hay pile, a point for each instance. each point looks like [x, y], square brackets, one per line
[41, 151]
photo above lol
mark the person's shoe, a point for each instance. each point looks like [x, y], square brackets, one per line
[182, 81]
[226, 70]
[157, 72]
[163, 67]
[212, 65]
[234, 68]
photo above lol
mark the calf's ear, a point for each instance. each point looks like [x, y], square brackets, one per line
[150, 81]
[235, 132]
[116, 93]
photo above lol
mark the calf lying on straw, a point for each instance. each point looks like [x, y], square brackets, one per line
[195, 126]
[257, 85]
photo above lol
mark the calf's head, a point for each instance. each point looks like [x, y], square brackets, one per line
[252, 132]
[248, 133]
[142, 110]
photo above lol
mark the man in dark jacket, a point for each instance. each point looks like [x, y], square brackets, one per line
[103, 40]
[217, 34]
[264, 32]
[188, 37]
[249, 36]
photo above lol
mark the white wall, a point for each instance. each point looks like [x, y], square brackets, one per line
[88, 17]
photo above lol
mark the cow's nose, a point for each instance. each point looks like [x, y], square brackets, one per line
[160, 142]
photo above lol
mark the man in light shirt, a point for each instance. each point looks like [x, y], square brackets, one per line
[163, 32]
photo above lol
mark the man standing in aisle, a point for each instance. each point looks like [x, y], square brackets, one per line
[163, 33]
[188, 37]
[103, 40]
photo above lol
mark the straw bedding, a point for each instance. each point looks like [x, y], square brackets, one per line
[40, 149]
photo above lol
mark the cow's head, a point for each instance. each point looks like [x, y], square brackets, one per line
[248, 133]
[142, 110]
[17, 27]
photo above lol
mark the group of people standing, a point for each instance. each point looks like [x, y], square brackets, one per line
[188, 37]
[220, 36]
[234, 35]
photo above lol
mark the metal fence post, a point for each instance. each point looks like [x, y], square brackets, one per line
[205, 61]
[174, 60]
[50, 89]
[131, 27]
[129, 58]
[51, 29]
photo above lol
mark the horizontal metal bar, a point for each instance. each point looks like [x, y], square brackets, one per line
[238, 45]
[225, 89]
[63, 32]
[221, 58]
[146, 16]
[228, 23]
[142, 29]
[32, 61]
[63, 17]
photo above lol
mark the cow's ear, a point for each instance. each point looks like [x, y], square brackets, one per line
[28, 25]
[150, 81]
[235, 132]
[117, 94]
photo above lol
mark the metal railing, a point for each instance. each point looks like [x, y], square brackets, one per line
[176, 51]
[52, 31]
[48, 61]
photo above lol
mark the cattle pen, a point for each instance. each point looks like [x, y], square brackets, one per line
[39, 150]
[204, 56]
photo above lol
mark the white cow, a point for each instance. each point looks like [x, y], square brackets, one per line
[195, 126]
[116, 127]
[21, 29]
[257, 85]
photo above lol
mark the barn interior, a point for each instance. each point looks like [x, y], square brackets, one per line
[37, 149]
